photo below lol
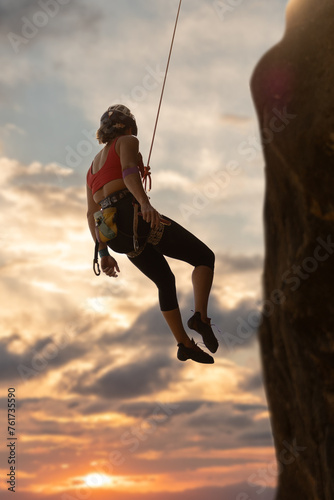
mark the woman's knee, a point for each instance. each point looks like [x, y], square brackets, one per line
[207, 258]
[212, 259]
[167, 292]
[166, 281]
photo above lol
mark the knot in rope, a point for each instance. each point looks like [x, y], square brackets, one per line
[147, 177]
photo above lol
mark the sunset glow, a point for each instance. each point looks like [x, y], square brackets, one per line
[97, 480]
[103, 408]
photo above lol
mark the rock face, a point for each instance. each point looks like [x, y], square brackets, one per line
[293, 91]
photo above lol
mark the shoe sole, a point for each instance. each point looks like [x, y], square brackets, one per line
[198, 361]
[184, 356]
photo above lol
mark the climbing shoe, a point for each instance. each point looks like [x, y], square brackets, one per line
[209, 339]
[195, 353]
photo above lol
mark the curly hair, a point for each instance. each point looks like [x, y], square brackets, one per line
[114, 122]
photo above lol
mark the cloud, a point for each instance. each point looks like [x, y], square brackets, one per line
[252, 383]
[10, 14]
[257, 438]
[149, 328]
[120, 363]
[138, 378]
[8, 360]
[240, 263]
[236, 120]
[214, 493]
[204, 434]
[35, 20]
[249, 407]
[32, 177]
[11, 127]
[233, 424]
[37, 359]
[144, 409]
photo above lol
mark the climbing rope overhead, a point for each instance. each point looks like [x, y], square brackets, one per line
[147, 168]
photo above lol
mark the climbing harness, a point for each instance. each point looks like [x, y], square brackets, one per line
[147, 173]
[153, 238]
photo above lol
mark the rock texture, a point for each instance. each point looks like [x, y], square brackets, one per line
[293, 91]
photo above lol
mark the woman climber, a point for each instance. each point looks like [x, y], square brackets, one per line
[113, 180]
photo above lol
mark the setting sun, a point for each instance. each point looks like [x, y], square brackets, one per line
[97, 480]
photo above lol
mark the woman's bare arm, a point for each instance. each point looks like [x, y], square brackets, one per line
[92, 208]
[129, 149]
[108, 263]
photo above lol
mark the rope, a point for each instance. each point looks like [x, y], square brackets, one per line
[162, 93]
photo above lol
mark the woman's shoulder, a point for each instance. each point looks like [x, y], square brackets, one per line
[129, 142]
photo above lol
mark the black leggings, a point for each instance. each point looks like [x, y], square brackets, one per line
[176, 242]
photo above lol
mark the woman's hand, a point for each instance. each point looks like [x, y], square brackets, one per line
[150, 214]
[109, 266]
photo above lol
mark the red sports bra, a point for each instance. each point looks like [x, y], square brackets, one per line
[110, 171]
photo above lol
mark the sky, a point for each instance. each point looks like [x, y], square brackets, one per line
[103, 405]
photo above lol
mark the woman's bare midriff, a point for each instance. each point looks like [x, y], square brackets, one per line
[111, 186]
[108, 189]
